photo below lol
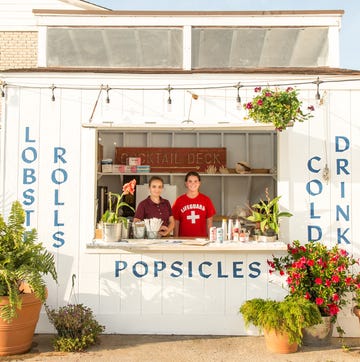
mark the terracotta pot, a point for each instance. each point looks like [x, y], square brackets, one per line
[279, 343]
[16, 337]
[319, 334]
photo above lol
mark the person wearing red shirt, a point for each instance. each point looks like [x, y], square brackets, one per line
[156, 206]
[193, 211]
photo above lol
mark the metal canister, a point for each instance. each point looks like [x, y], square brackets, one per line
[212, 233]
[219, 235]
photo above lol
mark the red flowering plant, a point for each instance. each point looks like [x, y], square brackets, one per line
[321, 275]
[279, 107]
[112, 214]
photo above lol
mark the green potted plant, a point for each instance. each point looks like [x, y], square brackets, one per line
[23, 263]
[281, 321]
[77, 329]
[266, 215]
[279, 107]
[112, 221]
[321, 275]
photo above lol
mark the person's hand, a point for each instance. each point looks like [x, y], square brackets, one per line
[164, 230]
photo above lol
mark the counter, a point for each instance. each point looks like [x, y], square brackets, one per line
[180, 245]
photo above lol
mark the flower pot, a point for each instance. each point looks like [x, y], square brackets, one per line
[319, 334]
[356, 311]
[266, 238]
[279, 342]
[16, 337]
[112, 232]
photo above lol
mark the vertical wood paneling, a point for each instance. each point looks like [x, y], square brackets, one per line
[109, 288]
[131, 297]
[151, 286]
[172, 296]
[88, 281]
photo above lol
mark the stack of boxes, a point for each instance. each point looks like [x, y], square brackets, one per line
[133, 165]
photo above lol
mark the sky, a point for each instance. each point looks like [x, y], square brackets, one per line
[350, 30]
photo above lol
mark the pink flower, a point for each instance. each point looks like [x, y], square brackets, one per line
[311, 108]
[129, 188]
[260, 102]
[333, 309]
[268, 94]
[310, 262]
[335, 297]
[257, 89]
[319, 301]
[335, 279]
[289, 89]
[249, 105]
[343, 252]
[318, 281]
[307, 295]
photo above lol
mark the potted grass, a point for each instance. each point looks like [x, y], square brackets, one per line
[23, 263]
[112, 222]
[281, 321]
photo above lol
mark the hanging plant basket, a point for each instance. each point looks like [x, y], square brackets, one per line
[282, 108]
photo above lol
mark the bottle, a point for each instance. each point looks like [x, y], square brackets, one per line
[224, 228]
[219, 235]
[230, 229]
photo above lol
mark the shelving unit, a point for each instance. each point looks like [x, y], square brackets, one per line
[228, 191]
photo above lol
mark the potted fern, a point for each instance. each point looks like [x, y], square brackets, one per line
[281, 321]
[23, 263]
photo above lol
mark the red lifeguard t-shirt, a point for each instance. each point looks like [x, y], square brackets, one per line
[192, 214]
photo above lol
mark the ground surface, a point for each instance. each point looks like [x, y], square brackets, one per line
[159, 348]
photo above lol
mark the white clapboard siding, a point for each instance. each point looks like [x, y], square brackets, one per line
[166, 303]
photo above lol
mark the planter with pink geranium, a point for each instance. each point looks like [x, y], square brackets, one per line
[321, 275]
[280, 107]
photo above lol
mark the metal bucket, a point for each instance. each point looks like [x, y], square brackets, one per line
[112, 232]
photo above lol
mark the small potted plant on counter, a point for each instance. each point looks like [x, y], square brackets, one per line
[266, 215]
[281, 321]
[112, 221]
[279, 107]
[23, 263]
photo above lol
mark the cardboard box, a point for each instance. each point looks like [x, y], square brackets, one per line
[133, 161]
[143, 168]
[107, 167]
[124, 168]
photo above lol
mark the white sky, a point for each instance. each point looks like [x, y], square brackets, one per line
[350, 31]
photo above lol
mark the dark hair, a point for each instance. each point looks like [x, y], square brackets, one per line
[156, 178]
[192, 173]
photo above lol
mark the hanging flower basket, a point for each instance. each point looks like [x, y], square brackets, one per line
[280, 107]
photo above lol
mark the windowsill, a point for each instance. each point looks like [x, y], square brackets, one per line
[179, 245]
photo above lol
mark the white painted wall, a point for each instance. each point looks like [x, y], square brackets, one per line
[18, 15]
[63, 192]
